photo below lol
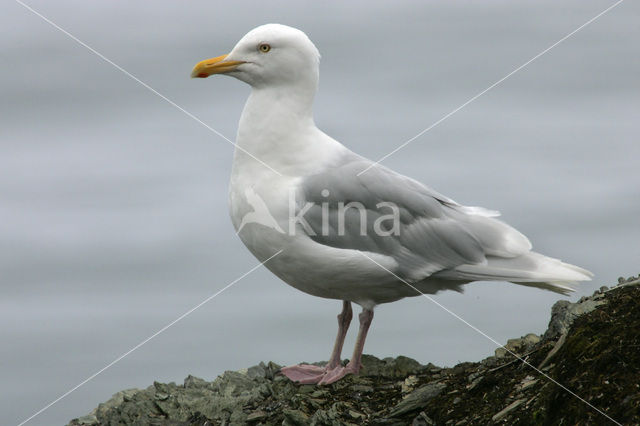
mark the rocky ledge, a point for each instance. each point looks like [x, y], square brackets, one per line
[584, 370]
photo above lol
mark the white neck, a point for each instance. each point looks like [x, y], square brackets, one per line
[275, 127]
[272, 115]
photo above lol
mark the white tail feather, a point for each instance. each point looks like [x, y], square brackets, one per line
[530, 269]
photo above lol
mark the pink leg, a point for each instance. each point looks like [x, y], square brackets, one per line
[310, 374]
[354, 365]
[344, 320]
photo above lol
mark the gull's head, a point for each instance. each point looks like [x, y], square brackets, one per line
[269, 55]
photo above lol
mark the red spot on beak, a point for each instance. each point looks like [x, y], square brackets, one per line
[203, 75]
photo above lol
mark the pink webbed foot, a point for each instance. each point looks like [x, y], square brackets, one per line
[334, 371]
[304, 373]
[335, 374]
[310, 374]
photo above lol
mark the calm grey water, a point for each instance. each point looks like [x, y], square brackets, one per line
[113, 216]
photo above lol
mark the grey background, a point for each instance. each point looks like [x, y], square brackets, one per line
[113, 213]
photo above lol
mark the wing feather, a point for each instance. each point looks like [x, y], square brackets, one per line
[434, 234]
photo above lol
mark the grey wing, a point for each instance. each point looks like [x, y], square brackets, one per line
[383, 212]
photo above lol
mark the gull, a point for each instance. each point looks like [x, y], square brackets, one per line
[348, 228]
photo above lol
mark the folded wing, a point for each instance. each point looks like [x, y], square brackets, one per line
[426, 233]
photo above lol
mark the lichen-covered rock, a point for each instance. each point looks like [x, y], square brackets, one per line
[564, 313]
[417, 399]
[591, 348]
[520, 345]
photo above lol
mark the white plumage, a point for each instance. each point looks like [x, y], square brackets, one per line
[439, 245]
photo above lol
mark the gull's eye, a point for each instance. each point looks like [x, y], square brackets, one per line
[264, 48]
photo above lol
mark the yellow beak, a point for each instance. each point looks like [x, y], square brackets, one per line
[217, 65]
